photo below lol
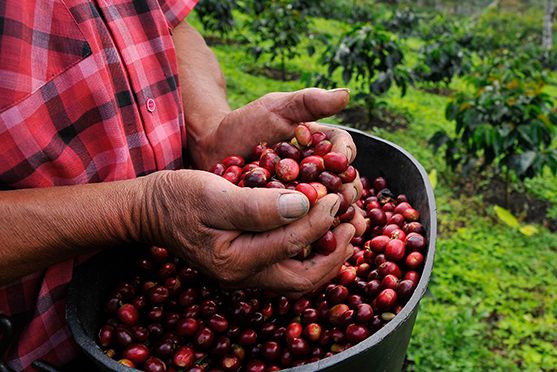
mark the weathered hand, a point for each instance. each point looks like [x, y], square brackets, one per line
[242, 237]
[270, 119]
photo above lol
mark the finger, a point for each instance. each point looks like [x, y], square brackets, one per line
[307, 104]
[358, 221]
[352, 191]
[294, 278]
[342, 140]
[256, 252]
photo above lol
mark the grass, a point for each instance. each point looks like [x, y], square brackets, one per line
[493, 303]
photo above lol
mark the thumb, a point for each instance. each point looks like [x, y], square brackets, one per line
[307, 104]
[258, 209]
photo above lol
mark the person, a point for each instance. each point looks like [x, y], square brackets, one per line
[110, 114]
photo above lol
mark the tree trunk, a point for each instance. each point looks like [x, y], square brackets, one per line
[508, 191]
[547, 39]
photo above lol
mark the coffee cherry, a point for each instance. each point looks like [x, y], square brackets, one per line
[411, 215]
[415, 242]
[164, 348]
[183, 357]
[220, 346]
[395, 250]
[322, 147]
[230, 363]
[154, 364]
[363, 313]
[106, 335]
[308, 172]
[303, 135]
[335, 313]
[348, 175]
[269, 161]
[379, 184]
[386, 299]
[320, 188]
[404, 290]
[299, 347]
[127, 362]
[309, 191]
[128, 314]
[257, 177]
[287, 169]
[326, 244]
[330, 180]
[414, 261]
[335, 162]
[204, 338]
[356, 333]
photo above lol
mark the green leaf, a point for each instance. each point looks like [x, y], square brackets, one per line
[528, 230]
[438, 140]
[506, 216]
[519, 163]
[433, 178]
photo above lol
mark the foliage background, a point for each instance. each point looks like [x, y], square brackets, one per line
[492, 304]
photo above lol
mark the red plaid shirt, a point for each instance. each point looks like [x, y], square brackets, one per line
[88, 93]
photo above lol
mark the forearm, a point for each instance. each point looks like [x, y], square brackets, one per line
[203, 89]
[44, 226]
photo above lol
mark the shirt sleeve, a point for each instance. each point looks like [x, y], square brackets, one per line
[176, 10]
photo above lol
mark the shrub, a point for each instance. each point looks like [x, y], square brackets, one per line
[404, 22]
[500, 30]
[440, 60]
[216, 15]
[509, 122]
[276, 22]
[371, 56]
[352, 12]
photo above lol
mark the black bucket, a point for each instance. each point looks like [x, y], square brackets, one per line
[385, 350]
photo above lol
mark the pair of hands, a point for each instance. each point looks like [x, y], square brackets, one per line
[246, 237]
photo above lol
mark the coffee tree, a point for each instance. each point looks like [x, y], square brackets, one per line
[508, 123]
[404, 22]
[372, 57]
[216, 15]
[440, 60]
[277, 27]
[352, 12]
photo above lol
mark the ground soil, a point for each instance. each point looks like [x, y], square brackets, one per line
[445, 92]
[523, 205]
[275, 74]
[213, 40]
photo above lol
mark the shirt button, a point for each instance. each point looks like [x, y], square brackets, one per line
[150, 104]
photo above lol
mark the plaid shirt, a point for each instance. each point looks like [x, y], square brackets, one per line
[89, 93]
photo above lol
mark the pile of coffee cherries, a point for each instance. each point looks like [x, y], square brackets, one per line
[169, 317]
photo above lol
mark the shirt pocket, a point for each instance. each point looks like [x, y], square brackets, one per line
[39, 41]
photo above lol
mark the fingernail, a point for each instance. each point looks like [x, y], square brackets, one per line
[293, 205]
[334, 208]
[350, 153]
[338, 90]
[355, 195]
